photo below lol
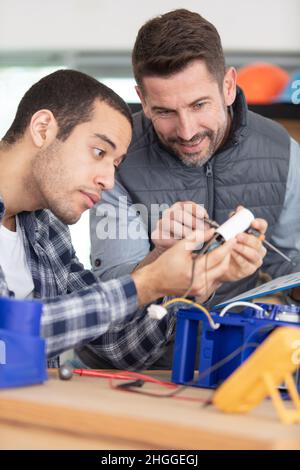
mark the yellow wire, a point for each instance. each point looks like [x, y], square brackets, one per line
[194, 304]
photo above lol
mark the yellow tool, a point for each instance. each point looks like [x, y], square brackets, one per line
[259, 376]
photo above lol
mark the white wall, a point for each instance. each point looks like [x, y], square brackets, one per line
[105, 24]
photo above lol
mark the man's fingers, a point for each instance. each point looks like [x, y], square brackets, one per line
[208, 233]
[191, 207]
[169, 229]
[249, 240]
[179, 231]
[208, 280]
[260, 224]
[188, 213]
[249, 254]
[249, 245]
[195, 239]
[216, 256]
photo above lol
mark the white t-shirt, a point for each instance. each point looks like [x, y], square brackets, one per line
[13, 262]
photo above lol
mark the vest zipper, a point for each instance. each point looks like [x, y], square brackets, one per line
[210, 189]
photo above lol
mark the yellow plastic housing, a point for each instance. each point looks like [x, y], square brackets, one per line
[259, 376]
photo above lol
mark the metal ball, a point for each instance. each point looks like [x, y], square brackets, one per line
[65, 372]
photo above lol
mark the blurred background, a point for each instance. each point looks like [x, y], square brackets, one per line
[261, 38]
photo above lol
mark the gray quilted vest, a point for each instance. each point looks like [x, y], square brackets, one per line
[251, 170]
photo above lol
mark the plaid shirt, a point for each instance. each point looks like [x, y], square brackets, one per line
[78, 308]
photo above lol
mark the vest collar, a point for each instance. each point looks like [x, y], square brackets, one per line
[240, 117]
[239, 113]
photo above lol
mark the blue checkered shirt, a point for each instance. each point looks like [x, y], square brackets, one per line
[77, 306]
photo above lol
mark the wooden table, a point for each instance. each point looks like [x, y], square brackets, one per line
[85, 413]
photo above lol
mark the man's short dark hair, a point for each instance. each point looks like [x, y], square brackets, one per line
[70, 95]
[168, 43]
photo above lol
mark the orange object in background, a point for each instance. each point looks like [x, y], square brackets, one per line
[262, 83]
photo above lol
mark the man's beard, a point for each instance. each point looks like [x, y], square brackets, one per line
[194, 159]
[49, 177]
[63, 213]
[197, 159]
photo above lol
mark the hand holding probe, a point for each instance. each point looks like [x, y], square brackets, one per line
[242, 218]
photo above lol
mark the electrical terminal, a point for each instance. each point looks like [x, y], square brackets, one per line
[156, 312]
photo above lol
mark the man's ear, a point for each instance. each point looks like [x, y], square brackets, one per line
[141, 96]
[229, 86]
[43, 127]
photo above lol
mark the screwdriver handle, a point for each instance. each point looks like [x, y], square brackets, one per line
[256, 233]
[261, 237]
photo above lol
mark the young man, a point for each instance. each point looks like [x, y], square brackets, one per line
[69, 135]
[195, 140]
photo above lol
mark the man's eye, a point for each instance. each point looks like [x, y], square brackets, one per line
[199, 105]
[164, 113]
[98, 152]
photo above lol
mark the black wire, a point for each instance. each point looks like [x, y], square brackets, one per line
[136, 383]
[139, 383]
[198, 254]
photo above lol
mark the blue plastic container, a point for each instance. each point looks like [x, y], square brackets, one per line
[22, 350]
[245, 330]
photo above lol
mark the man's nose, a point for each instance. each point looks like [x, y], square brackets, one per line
[106, 176]
[186, 127]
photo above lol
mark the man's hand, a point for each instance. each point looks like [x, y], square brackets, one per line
[248, 253]
[177, 222]
[244, 256]
[171, 273]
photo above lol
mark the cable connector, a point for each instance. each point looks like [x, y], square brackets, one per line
[156, 312]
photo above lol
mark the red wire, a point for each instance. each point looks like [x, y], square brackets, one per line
[128, 375]
[157, 395]
[123, 375]
[96, 373]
